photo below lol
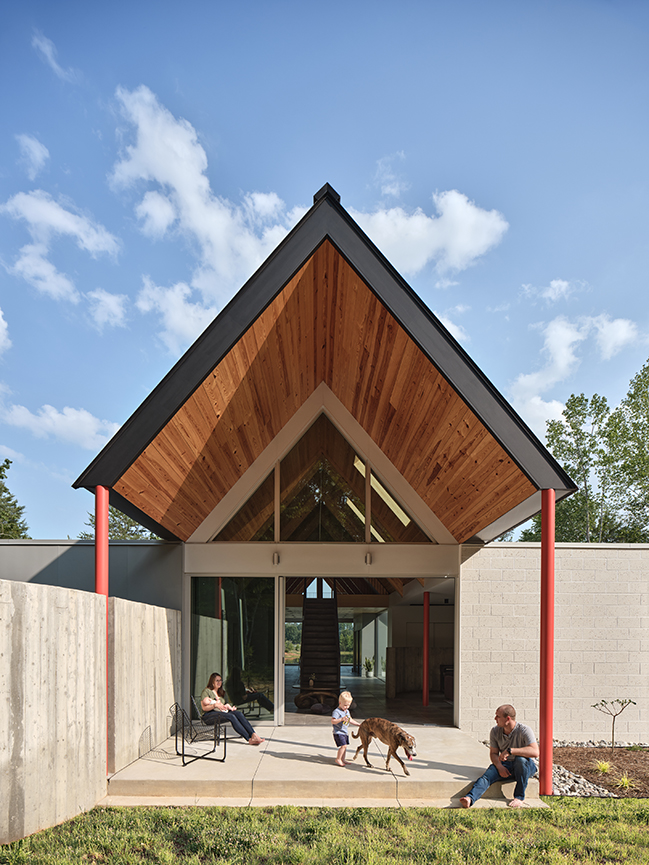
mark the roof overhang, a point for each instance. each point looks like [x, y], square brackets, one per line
[327, 308]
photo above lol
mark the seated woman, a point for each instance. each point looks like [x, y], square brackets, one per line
[214, 708]
[240, 694]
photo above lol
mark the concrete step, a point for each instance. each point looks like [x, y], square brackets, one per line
[296, 764]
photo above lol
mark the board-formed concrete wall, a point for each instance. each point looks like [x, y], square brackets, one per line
[144, 670]
[52, 698]
[601, 637]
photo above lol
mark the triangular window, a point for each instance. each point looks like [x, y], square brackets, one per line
[322, 495]
[322, 498]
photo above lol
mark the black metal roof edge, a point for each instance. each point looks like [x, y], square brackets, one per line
[326, 219]
[451, 364]
[186, 375]
[128, 508]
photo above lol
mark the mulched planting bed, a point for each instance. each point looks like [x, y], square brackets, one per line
[633, 764]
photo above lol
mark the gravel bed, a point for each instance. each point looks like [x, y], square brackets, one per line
[565, 783]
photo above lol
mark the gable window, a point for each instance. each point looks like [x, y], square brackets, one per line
[255, 521]
[322, 497]
[323, 490]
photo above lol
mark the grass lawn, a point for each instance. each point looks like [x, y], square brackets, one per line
[570, 830]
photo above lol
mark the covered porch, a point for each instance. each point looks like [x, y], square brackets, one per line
[295, 766]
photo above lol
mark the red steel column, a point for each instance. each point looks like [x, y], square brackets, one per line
[101, 540]
[101, 568]
[426, 646]
[546, 697]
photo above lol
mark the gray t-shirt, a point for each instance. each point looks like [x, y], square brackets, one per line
[343, 716]
[519, 737]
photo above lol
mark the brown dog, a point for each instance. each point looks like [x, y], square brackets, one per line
[388, 733]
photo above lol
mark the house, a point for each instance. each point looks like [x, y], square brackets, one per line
[324, 436]
[325, 426]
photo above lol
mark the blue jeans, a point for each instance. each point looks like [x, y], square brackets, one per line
[520, 770]
[240, 723]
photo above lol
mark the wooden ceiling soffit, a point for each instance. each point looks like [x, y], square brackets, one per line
[441, 423]
[326, 325]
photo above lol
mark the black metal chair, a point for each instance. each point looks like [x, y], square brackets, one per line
[190, 732]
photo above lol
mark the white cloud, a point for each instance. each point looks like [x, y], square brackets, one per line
[560, 337]
[182, 321]
[47, 219]
[613, 335]
[233, 240]
[560, 340]
[386, 177]
[452, 326]
[5, 342]
[558, 289]
[47, 50]
[156, 214]
[9, 454]
[107, 309]
[71, 425]
[33, 154]
[454, 239]
[456, 330]
[34, 267]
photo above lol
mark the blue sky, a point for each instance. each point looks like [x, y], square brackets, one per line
[153, 153]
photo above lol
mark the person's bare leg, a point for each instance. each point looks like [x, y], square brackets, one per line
[340, 756]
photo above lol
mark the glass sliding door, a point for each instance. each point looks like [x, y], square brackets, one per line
[233, 633]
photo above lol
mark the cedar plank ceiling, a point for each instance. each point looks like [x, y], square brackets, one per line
[326, 325]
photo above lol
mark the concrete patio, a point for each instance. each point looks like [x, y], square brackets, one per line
[295, 766]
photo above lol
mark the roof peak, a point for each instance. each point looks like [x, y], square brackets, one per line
[327, 191]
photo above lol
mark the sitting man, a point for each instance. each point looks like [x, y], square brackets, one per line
[511, 747]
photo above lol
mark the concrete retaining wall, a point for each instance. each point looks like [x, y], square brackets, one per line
[601, 637]
[144, 669]
[52, 698]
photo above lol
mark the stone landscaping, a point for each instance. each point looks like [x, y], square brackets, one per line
[579, 759]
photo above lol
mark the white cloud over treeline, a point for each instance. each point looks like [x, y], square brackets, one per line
[561, 337]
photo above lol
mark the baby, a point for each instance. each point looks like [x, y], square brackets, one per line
[341, 719]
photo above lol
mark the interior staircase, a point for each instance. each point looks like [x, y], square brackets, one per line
[320, 656]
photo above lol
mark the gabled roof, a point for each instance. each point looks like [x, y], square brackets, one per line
[326, 306]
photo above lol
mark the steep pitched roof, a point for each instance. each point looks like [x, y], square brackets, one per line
[326, 306]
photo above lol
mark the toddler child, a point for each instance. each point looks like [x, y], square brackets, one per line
[341, 719]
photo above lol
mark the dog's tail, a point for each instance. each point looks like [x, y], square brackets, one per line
[355, 735]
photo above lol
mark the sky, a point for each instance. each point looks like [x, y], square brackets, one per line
[152, 154]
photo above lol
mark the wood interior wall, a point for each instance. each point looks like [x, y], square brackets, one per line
[326, 325]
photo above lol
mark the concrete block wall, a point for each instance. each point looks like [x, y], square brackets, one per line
[601, 637]
[52, 698]
[144, 675]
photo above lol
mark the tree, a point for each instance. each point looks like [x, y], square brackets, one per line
[607, 453]
[631, 423]
[571, 525]
[12, 524]
[120, 528]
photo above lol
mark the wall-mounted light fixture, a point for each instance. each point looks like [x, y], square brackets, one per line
[368, 558]
[276, 558]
